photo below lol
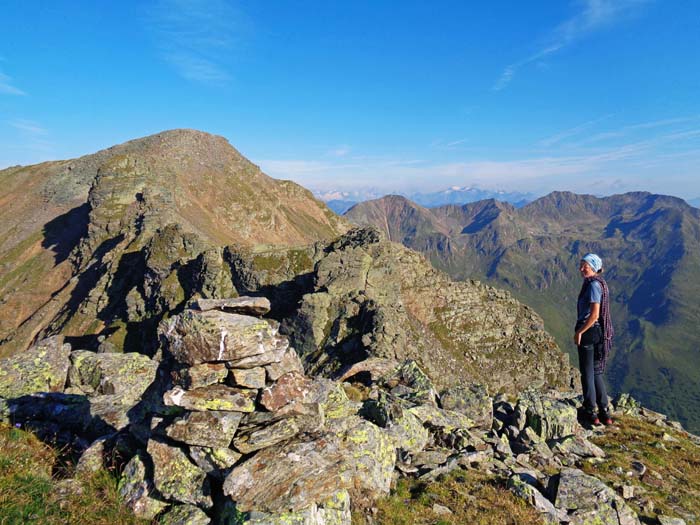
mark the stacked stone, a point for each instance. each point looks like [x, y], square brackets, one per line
[227, 361]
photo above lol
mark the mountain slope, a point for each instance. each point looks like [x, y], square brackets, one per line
[77, 236]
[651, 247]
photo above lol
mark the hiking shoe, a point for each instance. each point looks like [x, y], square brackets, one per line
[595, 421]
[606, 419]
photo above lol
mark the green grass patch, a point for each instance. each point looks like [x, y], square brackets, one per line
[30, 493]
[675, 489]
[472, 496]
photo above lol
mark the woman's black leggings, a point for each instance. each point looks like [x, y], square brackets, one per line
[594, 392]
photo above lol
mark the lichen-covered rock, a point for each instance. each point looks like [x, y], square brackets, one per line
[473, 401]
[203, 374]
[124, 375]
[523, 487]
[370, 458]
[588, 500]
[135, 490]
[289, 362]
[576, 445]
[216, 462]
[444, 420]
[549, 417]
[239, 305]
[418, 388]
[249, 378]
[335, 511]
[92, 458]
[284, 429]
[210, 428]
[212, 336]
[176, 478]
[41, 368]
[213, 397]
[289, 388]
[184, 515]
[283, 478]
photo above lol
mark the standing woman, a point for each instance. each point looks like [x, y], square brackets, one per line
[593, 338]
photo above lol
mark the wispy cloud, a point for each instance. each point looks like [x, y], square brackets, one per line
[571, 132]
[629, 166]
[594, 15]
[196, 37]
[340, 151]
[7, 86]
[28, 127]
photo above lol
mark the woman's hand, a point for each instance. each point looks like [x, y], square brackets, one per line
[577, 338]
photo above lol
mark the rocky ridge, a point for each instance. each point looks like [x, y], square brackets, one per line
[227, 428]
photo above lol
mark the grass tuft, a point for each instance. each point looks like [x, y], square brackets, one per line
[29, 493]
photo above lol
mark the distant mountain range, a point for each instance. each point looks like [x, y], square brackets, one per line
[342, 201]
[651, 248]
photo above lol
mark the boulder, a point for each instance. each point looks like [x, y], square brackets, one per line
[473, 401]
[287, 478]
[523, 486]
[197, 337]
[41, 368]
[548, 417]
[274, 353]
[211, 428]
[589, 500]
[443, 420]
[176, 478]
[335, 511]
[213, 397]
[408, 433]
[238, 305]
[184, 515]
[370, 455]
[92, 458]
[135, 489]
[578, 446]
[126, 376]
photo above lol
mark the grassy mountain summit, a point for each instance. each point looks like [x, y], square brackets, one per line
[651, 248]
[76, 235]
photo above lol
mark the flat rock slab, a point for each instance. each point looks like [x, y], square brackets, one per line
[197, 337]
[249, 377]
[214, 397]
[212, 428]
[125, 375]
[203, 374]
[588, 500]
[238, 305]
[41, 368]
[289, 362]
[176, 477]
[288, 388]
[284, 429]
[445, 420]
[292, 477]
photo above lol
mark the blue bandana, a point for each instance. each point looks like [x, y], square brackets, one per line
[595, 261]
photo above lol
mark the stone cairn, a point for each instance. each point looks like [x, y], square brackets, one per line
[224, 427]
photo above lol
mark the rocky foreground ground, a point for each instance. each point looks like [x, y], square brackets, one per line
[224, 426]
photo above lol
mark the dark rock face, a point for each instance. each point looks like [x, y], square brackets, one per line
[372, 298]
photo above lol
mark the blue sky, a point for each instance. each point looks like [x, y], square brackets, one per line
[596, 96]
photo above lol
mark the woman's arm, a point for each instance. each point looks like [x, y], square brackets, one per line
[595, 312]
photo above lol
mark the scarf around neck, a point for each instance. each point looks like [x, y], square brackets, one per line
[603, 319]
